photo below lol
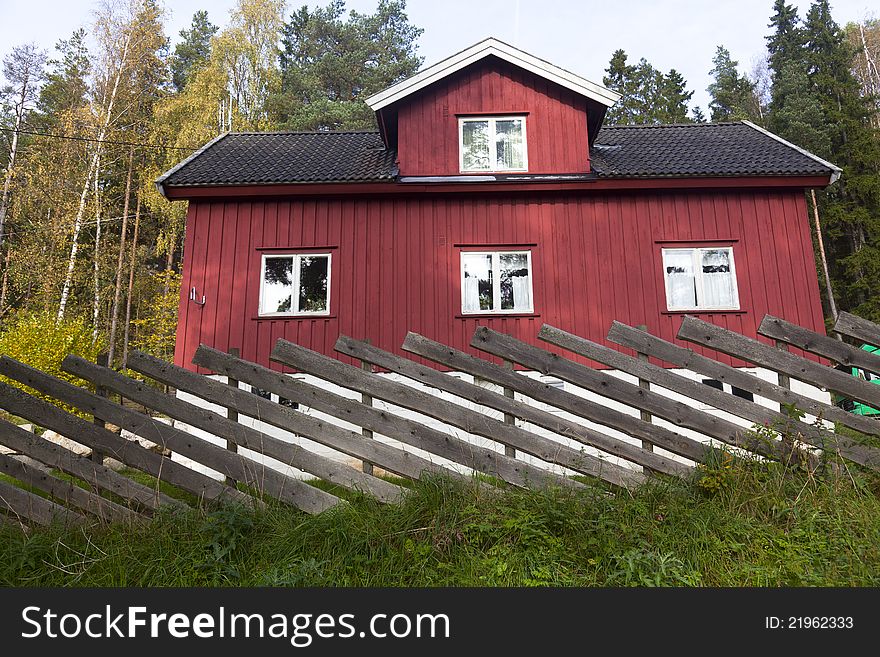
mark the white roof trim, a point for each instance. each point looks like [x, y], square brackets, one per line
[503, 51]
[835, 170]
[160, 181]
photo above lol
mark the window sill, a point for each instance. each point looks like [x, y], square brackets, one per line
[285, 318]
[494, 315]
[702, 311]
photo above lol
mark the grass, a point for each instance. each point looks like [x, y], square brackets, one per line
[741, 523]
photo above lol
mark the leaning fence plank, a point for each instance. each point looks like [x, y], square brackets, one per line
[127, 451]
[505, 346]
[785, 424]
[779, 329]
[64, 491]
[348, 442]
[79, 466]
[387, 424]
[599, 413]
[858, 328]
[452, 414]
[739, 346]
[507, 405]
[628, 336]
[242, 435]
[32, 507]
[407, 431]
[217, 458]
[299, 493]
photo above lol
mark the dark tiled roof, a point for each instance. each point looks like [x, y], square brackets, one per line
[669, 151]
[260, 158]
[695, 150]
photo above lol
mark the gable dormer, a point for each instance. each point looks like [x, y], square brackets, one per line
[492, 109]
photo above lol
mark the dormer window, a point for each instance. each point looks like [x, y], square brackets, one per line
[492, 143]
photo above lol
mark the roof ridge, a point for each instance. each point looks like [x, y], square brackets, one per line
[305, 132]
[647, 126]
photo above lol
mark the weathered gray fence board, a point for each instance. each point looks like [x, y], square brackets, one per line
[306, 497]
[779, 329]
[93, 473]
[508, 406]
[398, 428]
[291, 454]
[348, 442]
[858, 328]
[633, 426]
[66, 492]
[606, 385]
[739, 346]
[452, 414]
[808, 433]
[34, 508]
[633, 338]
[217, 458]
[127, 451]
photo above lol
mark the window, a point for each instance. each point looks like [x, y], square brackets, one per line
[296, 284]
[700, 279]
[497, 282]
[492, 143]
[736, 392]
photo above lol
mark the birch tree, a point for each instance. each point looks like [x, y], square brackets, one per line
[23, 71]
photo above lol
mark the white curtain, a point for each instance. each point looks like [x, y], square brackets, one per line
[681, 289]
[522, 292]
[717, 279]
[471, 294]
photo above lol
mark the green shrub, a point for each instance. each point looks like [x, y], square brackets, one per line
[36, 339]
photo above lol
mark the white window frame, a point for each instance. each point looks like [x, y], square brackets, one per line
[697, 260]
[493, 157]
[496, 283]
[294, 302]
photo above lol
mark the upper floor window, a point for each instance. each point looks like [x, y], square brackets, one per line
[492, 143]
[296, 284]
[700, 279]
[496, 282]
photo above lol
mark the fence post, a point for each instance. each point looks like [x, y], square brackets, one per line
[102, 360]
[508, 418]
[645, 385]
[366, 400]
[231, 413]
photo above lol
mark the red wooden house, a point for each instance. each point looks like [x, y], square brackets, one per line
[491, 194]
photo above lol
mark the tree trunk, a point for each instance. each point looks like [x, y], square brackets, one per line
[77, 224]
[134, 240]
[114, 311]
[828, 290]
[96, 303]
[3, 285]
[7, 181]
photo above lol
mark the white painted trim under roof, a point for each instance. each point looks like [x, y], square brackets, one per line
[835, 170]
[503, 51]
[160, 181]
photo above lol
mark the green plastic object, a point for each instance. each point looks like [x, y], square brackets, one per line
[854, 407]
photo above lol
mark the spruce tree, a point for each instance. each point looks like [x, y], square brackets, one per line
[732, 94]
[194, 49]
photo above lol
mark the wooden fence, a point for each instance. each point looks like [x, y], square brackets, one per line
[617, 427]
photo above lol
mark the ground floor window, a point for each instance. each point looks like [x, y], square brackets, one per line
[295, 284]
[700, 279]
[496, 282]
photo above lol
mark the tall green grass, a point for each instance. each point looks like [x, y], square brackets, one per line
[741, 523]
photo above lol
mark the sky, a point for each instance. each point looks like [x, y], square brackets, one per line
[578, 35]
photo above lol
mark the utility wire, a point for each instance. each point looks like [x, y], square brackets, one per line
[103, 141]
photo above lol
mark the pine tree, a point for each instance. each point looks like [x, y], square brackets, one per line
[732, 94]
[331, 62]
[674, 99]
[850, 209]
[193, 51]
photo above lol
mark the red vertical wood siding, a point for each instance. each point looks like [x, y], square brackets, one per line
[556, 120]
[396, 267]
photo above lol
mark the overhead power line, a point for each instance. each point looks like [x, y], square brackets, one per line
[103, 141]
